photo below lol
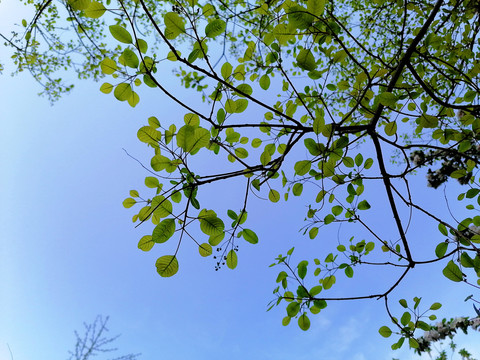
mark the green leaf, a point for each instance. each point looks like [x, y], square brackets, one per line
[297, 189]
[428, 121]
[299, 17]
[312, 146]
[250, 236]
[146, 243]
[302, 269]
[441, 249]
[186, 138]
[79, 4]
[316, 7]
[95, 10]
[226, 70]
[467, 261]
[385, 331]
[120, 34]
[164, 231]
[130, 58]
[453, 272]
[318, 125]
[328, 281]
[232, 259]
[134, 193]
[141, 45]
[151, 182]
[245, 89]
[129, 202]
[413, 343]
[134, 99]
[363, 205]
[106, 88]
[214, 240]
[423, 325]
[264, 82]
[349, 271]
[274, 196]
[435, 306]
[442, 229]
[302, 167]
[304, 322]
[387, 99]
[174, 23]
[167, 265]
[306, 60]
[403, 302]
[211, 225]
[215, 28]
[286, 320]
[123, 92]
[205, 249]
[149, 135]
[391, 128]
[293, 308]
[368, 163]
[405, 319]
[108, 66]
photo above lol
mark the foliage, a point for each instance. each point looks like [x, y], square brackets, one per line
[331, 91]
[93, 342]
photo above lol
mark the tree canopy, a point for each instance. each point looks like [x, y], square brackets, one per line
[320, 100]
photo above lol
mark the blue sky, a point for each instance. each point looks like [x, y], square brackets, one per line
[68, 249]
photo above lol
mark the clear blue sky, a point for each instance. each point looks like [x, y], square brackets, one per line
[68, 249]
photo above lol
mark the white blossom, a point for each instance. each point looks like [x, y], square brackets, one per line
[457, 322]
[475, 323]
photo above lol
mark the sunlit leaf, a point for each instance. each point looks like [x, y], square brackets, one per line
[232, 259]
[120, 34]
[167, 265]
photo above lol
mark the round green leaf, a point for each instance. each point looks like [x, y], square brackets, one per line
[391, 128]
[205, 249]
[95, 10]
[215, 28]
[149, 135]
[211, 225]
[306, 60]
[167, 265]
[304, 322]
[274, 196]
[264, 82]
[174, 24]
[293, 308]
[385, 331]
[130, 58]
[122, 92]
[441, 249]
[302, 167]
[146, 243]
[120, 34]
[108, 66]
[328, 281]
[387, 99]
[106, 88]
[79, 4]
[129, 202]
[164, 231]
